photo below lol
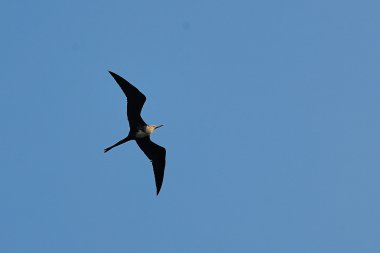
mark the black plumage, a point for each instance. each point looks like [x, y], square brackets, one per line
[140, 131]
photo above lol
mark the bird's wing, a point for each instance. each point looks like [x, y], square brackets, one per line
[156, 155]
[135, 101]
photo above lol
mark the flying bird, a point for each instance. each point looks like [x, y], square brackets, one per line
[140, 131]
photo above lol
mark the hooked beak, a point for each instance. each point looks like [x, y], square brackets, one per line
[159, 126]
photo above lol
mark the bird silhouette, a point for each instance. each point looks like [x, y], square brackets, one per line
[140, 131]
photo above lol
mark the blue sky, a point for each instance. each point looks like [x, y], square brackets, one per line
[271, 113]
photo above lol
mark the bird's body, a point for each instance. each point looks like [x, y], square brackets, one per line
[140, 131]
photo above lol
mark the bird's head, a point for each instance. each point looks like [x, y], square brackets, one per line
[151, 128]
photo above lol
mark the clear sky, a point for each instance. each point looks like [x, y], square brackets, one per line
[271, 114]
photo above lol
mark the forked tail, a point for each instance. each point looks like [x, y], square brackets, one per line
[117, 144]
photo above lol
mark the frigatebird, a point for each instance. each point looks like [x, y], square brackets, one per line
[140, 131]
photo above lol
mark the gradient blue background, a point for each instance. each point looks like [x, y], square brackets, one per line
[271, 113]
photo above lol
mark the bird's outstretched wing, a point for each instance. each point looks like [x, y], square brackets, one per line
[156, 155]
[135, 101]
